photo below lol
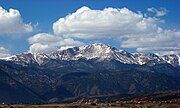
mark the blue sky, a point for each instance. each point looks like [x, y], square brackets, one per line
[43, 13]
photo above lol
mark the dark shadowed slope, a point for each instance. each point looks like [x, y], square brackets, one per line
[12, 91]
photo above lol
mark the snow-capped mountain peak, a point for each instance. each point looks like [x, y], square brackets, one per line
[28, 58]
[97, 51]
[172, 59]
[143, 58]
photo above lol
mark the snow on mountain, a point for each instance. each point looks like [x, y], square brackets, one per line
[98, 51]
[172, 59]
[150, 58]
[28, 58]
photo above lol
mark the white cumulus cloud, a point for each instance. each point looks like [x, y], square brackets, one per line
[110, 22]
[131, 29]
[12, 22]
[47, 43]
[43, 38]
[4, 52]
[158, 12]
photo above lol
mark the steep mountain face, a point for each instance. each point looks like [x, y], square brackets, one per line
[31, 77]
[115, 82]
[90, 70]
[98, 51]
[12, 91]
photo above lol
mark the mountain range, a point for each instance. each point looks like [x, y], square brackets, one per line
[90, 70]
[97, 51]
